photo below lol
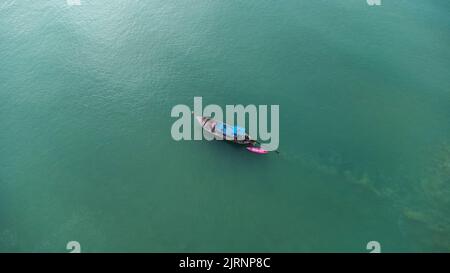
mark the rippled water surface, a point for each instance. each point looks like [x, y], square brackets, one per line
[86, 152]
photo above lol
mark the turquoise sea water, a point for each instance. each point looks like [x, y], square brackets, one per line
[86, 152]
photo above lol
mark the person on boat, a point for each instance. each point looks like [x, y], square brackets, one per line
[250, 141]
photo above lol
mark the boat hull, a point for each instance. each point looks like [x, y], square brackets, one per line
[208, 124]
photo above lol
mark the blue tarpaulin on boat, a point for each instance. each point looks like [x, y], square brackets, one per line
[230, 130]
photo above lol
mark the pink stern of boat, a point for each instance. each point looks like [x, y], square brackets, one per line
[257, 150]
